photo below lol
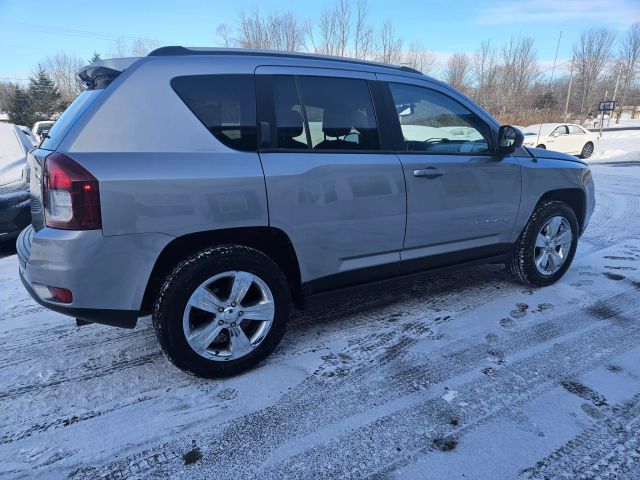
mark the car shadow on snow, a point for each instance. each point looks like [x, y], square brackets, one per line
[7, 247]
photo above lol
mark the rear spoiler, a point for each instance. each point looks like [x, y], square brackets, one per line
[101, 73]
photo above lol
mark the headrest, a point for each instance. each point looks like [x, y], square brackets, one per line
[336, 122]
[290, 124]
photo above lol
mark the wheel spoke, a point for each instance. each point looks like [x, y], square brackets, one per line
[239, 342]
[553, 226]
[564, 237]
[202, 338]
[263, 312]
[205, 300]
[541, 241]
[542, 261]
[241, 283]
[556, 260]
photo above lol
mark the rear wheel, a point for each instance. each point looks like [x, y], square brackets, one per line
[587, 150]
[547, 245]
[222, 311]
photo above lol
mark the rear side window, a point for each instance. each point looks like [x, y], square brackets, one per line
[339, 113]
[225, 104]
[289, 120]
[575, 130]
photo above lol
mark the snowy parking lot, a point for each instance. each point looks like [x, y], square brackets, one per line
[463, 375]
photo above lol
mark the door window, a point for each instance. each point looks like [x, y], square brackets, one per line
[290, 125]
[575, 130]
[561, 130]
[339, 113]
[432, 122]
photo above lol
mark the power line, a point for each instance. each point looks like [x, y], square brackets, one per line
[56, 30]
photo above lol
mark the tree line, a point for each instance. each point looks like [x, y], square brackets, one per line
[506, 79]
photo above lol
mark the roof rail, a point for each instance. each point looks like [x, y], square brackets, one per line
[176, 50]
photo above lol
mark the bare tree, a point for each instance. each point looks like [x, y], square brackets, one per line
[590, 57]
[62, 69]
[520, 67]
[136, 48]
[419, 58]
[629, 59]
[457, 71]
[485, 68]
[390, 47]
[335, 29]
[363, 36]
[278, 31]
[224, 32]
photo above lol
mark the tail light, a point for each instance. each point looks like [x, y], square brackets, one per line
[71, 195]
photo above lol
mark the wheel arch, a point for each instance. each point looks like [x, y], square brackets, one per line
[271, 241]
[574, 197]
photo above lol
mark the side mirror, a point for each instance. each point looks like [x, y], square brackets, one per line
[555, 134]
[509, 138]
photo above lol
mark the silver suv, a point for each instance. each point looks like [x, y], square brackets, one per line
[216, 189]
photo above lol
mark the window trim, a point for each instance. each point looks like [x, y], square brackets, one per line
[269, 116]
[394, 120]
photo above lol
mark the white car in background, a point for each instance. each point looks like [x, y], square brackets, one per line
[561, 137]
[41, 128]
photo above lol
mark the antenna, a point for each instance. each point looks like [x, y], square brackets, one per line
[553, 70]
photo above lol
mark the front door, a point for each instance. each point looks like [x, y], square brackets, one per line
[340, 199]
[460, 197]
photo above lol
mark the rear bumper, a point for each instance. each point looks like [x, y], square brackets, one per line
[115, 318]
[106, 275]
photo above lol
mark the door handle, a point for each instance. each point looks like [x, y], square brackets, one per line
[429, 172]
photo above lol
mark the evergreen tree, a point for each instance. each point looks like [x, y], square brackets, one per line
[19, 106]
[43, 95]
[95, 58]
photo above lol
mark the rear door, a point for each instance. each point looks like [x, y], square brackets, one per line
[460, 196]
[331, 186]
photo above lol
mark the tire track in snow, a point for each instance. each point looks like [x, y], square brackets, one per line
[290, 420]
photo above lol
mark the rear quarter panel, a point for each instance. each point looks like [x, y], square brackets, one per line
[159, 168]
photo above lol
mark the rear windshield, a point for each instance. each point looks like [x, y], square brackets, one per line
[68, 119]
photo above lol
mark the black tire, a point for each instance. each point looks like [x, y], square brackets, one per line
[542, 147]
[521, 263]
[587, 150]
[186, 277]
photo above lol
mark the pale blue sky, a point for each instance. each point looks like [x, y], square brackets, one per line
[33, 29]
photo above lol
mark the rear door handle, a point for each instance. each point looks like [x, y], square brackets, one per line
[429, 172]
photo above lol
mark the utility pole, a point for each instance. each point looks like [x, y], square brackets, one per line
[615, 92]
[566, 104]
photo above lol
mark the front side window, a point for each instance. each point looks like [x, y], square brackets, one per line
[339, 113]
[225, 104]
[435, 123]
[561, 130]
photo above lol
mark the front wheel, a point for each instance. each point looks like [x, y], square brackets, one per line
[222, 311]
[547, 245]
[587, 150]
[542, 147]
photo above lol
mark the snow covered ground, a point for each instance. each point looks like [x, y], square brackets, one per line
[466, 375]
[618, 146]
